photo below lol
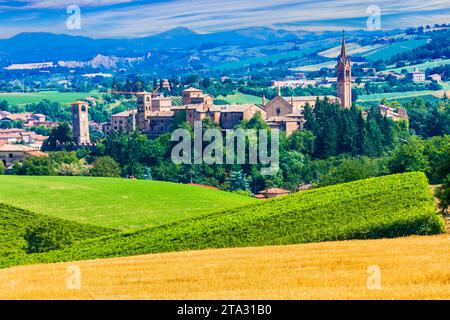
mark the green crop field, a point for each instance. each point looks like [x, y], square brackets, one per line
[14, 222]
[394, 95]
[390, 206]
[115, 203]
[19, 98]
[389, 50]
[264, 59]
[240, 98]
[423, 66]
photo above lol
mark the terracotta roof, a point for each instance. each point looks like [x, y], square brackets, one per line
[283, 119]
[126, 113]
[308, 98]
[37, 153]
[11, 130]
[238, 107]
[191, 89]
[15, 148]
[79, 102]
[274, 191]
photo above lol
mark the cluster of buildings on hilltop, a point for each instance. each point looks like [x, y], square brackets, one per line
[28, 119]
[154, 114]
[18, 144]
[22, 136]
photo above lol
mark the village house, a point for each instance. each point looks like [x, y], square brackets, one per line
[394, 114]
[299, 83]
[123, 121]
[286, 113]
[417, 76]
[12, 153]
[272, 193]
[435, 77]
[232, 115]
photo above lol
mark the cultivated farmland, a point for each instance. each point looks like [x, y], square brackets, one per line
[391, 206]
[410, 268]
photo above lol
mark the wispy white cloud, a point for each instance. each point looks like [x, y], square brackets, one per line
[126, 18]
[58, 4]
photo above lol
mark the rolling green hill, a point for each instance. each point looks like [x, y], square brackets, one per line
[19, 98]
[14, 223]
[390, 206]
[115, 203]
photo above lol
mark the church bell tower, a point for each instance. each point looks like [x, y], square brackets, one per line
[344, 77]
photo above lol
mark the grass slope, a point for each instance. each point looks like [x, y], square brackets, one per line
[14, 222]
[115, 203]
[19, 98]
[241, 98]
[389, 50]
[411, 268]
[390, 206]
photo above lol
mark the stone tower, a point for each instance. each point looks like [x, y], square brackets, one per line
[80, 123]
[344, 77]
[144, 104]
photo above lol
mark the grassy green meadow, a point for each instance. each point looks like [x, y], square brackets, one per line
[114, 203]
[423, 66]
[389, 50]
[394, 95]
[19, 98]
[386, 207]
[241, 98]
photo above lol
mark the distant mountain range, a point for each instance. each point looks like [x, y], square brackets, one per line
[176, 48]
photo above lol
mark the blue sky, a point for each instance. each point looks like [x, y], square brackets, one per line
[125, 18]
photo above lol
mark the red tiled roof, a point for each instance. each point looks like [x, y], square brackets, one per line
[274, 191]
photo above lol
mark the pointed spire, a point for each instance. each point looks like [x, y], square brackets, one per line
[344, 47]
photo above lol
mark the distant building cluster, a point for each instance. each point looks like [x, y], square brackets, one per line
[154, 114]
[21, 136]
[29, 119]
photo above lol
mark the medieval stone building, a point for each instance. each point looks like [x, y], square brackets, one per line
[80, 123]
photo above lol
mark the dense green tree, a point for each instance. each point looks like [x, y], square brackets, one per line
[409, 157]
[105, 167]
[2, 168]
[47, 236]
[443, 193]
[35, 166]
[238, 181]
[60, 135]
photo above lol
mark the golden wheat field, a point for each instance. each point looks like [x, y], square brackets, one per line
[404, 268]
